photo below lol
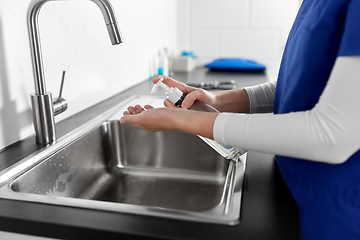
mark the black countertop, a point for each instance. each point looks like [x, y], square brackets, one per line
[268, 209]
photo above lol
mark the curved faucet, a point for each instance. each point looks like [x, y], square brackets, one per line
[44, 107]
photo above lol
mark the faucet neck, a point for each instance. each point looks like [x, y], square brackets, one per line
[34, 36]
[35, 45]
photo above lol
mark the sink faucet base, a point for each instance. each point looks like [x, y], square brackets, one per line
[43, 117]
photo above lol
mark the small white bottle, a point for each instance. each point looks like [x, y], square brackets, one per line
[176, 96]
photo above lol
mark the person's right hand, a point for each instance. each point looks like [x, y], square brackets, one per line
[192, 94]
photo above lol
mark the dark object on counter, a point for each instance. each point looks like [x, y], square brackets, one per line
[235, 64]
[215, 85]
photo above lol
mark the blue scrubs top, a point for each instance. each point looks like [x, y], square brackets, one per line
[327, 196]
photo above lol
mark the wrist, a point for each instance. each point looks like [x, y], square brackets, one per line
[175, 120]
[197, 123]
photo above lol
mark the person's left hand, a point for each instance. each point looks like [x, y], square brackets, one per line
[163, 119]
[152, 119]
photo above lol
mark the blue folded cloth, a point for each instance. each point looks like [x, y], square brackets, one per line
[235, 64]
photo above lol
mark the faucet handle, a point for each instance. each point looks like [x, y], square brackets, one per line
[60, 104]
[62, 84]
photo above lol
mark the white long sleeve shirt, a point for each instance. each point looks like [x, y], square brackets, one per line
[330, 132]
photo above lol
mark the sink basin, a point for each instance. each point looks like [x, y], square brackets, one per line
[114, 167]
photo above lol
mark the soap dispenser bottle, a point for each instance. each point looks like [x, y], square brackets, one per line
[176, 96]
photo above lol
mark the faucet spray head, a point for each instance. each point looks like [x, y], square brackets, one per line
[110, 21]
[114, 33]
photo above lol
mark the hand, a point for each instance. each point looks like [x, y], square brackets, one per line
[192, 94]
[162, 119]
[151, 119]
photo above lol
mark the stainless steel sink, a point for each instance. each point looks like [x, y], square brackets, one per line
[113, 167]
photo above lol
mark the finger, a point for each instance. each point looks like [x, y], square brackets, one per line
[126, 113]
[128, 119]
[173, 83]
[169, 104]
[157, 78]
[200, 95]
[132, 110]
[139, 108]
[147, 107]
[123, 119]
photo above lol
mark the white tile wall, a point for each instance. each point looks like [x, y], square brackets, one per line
[253, 44]
[254, 29]
[206, 43]
[219, 13]
[274, 14]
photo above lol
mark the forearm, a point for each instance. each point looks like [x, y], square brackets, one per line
[194, 122]
[262, 97]
[327, 133]
[236, 101]
[253, 99]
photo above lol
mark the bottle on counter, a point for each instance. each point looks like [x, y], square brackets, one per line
[161, 64]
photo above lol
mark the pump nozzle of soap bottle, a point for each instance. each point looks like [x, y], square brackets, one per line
[176, 96]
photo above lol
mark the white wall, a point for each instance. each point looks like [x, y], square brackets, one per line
[74, 38]
[252, 29]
